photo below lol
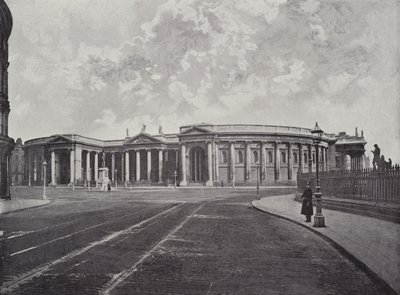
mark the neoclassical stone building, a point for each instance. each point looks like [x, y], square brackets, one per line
[6, 143]
[199, 154]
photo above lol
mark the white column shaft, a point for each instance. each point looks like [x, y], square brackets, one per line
[96, 166]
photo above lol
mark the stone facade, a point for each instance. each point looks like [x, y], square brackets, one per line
[6, 143]
[202, 154]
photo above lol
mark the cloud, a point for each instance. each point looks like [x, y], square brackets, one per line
[98, 67]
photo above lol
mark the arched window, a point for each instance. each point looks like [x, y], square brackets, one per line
[240, 156]
[305, 158]
[283, 157]
[255, 157]
[295, 158]
[224, 158]
[270, 157]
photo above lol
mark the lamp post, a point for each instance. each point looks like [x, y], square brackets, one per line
[319, 219]
[44, 179]
[175, 175]
[258, 181]
[116, 179]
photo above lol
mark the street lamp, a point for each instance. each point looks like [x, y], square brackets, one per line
[116, 179]
[319, 219]
[175, 175]
[258, 181]
[44, 179]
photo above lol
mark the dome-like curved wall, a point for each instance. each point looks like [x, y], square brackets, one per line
[231, 154]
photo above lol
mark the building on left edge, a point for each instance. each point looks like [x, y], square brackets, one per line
[6, 143]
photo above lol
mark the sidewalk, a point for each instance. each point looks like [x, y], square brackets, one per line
[19, 204]
[374, 242]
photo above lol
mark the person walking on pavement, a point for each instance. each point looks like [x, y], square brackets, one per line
[307, 207]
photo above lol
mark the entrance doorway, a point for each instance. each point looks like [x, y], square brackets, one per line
[198, 165]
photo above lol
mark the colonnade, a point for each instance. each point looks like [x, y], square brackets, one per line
[213, 160]
[92, 165]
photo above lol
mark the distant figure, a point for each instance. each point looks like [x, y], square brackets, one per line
[160, 130]
[307, 207]
[143, 128]
[377, 157]
[127, 132]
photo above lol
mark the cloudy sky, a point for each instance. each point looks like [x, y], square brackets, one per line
[97, 67]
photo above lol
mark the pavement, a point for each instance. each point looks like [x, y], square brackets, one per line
[16, 204]
[367, 241]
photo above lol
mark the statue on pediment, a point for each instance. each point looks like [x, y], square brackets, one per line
[160, 130]
[127, 132]
[143, 128]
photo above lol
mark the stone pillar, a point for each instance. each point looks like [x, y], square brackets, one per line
[122, 167]
[88, 174]
[290, 161]
[209, 157]
[310, 159]
[248, 162]
[53, 168]
[216, 162]
[34, 167]
[183, 166]
[138, 165]
[301, 159]
[96, 166]
[277, 161]
[112, 166]
[232, 163]
[149, 165]
[78, 163]
[160, 165]
[322, 153]
[72, 165]
[263, 160]
[127, 166]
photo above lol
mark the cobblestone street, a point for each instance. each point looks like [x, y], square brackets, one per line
[185, 241]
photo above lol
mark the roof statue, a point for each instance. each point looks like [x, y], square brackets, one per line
[143, 128]
[160, 130]
[127, 132]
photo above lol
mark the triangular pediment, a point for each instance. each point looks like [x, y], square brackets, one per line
[195, 131]
[59, 139]
[143, 138]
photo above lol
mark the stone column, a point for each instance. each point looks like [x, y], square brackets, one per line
[277, 161]
[290, 161]
[310, 159]
[216, 162]
[209, 157]
[149, 165]
[183, 166]
[138, 165]
[301, 159]
[112, 166]
[96, 166]
[122, 167]
[160, 165]
[53, 168]
[78, 163]
[72, 165]
[34, 167]
[88, 174]
[248, 162]
[127, 166]
[323, 159]
[232, 163]
[263, 160]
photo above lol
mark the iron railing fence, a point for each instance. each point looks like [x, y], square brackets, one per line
[365, 184]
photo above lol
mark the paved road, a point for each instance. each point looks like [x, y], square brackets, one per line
[163, 242]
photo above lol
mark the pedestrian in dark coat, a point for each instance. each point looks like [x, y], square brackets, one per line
[307, 207]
